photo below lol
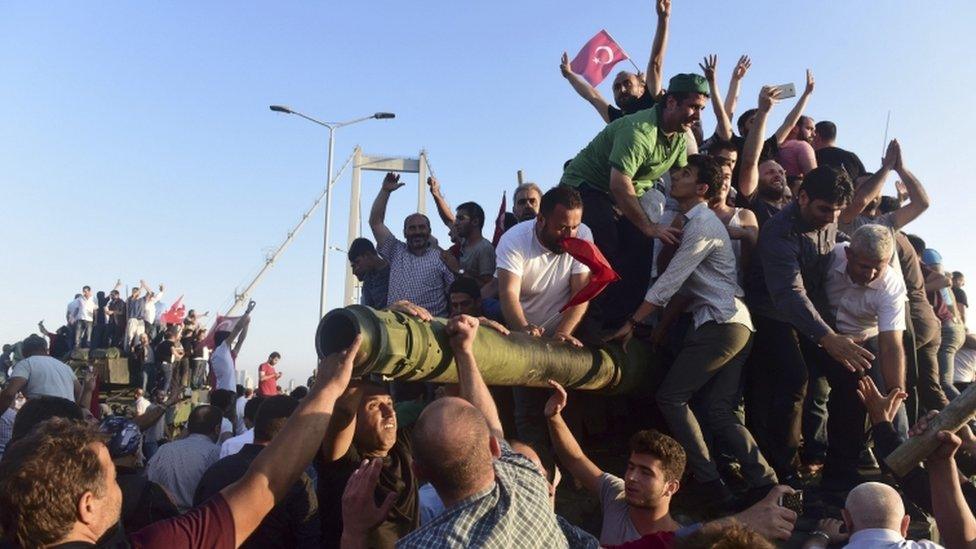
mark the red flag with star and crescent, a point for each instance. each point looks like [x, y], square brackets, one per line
[601, 273]
[176, 313]
[597, 58]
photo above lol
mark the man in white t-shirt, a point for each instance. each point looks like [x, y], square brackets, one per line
[535, 279]
[868, 300]
[228, 346]
[39, 375]
[84, 317]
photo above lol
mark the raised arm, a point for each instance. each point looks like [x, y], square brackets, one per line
[282, 461]
[918, 199]
[723, 127]
[870, 189]
[752, 150]
[377, 214]
[654, 78]
[118, 285]
[567, 449]
[740, 70]
[794, 115]
[338, 436]
[239, 332]
[955, 520]
[747, 233]
[443, 208]
[462, 330]
[584, 89]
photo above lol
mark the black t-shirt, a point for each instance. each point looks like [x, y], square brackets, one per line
[643, 102]
[837, 157]
[164, 352]
[960, 296]
[396, 476]
[763, 210]
[143, 501]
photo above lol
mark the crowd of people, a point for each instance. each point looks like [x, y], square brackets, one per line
[798, 332]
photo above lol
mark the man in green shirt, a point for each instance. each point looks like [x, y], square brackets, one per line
[621, 163]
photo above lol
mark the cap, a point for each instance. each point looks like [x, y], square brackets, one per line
[931, 257]
[125, 437]
[688, 83]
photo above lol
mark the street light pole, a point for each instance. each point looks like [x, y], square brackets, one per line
[332, 126]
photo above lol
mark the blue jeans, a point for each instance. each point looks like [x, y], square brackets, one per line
[953, 336]
[149, 377]
[83, 333]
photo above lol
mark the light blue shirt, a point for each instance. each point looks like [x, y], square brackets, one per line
[179, 465]
[879, 538]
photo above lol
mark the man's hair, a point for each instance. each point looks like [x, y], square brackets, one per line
[826, 130]
[273, 356]
[719, 145]
[251, 408]
[743, 119]
[661, 447]
[829, 184]
[248, 392]
[560, 195]
[728, 536]
[416, 214]
[709, 173]
[360, 247]
[474, 211]
[528, 186]
[465, 285]
[222, 398]
[239, 390]
[204, 419]
[172, 331]
[802, 119]
[272, 415]
[873, 242]
[86, 288]
[42, 478]
[452, 466]
[956, 275]
[299, 392]
[40, 409]
[917, 243]
[33, 345]
[888, 204]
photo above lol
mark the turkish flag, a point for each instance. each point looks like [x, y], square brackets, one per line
[222, 324]
[601, 273]
[499, 222]
[176, 313]
[597, 58]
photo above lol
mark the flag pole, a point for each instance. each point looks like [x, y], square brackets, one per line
[884, 144]
[638, 69]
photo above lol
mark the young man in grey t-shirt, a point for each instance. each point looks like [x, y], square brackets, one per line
[39, 375]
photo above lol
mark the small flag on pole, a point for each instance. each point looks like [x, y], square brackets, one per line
[499, 222]
[176, 313]
[597, 58]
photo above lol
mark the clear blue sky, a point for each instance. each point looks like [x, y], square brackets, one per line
[136, 140]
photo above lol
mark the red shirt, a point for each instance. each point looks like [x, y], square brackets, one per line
[208, 526]
[267, 387]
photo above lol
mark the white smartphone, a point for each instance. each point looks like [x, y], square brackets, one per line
[786, 91]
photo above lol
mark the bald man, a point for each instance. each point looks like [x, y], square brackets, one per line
[460, 447]
[875, 518]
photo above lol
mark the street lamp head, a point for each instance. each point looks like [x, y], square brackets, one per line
[281, 108]
[382, 115]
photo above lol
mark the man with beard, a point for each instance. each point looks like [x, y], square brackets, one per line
[372, 271]
[796, 154]
[417, 273]
[611, 174]
[792, 315]
[525, 201]
[535, 279]
[631, 93]
[364, 426]
[762, 184]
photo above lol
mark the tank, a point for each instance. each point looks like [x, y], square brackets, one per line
[402, 348]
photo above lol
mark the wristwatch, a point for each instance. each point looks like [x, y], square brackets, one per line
[821, 534]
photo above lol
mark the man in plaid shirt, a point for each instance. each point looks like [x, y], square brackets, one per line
[417, 272]
[493, 497]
